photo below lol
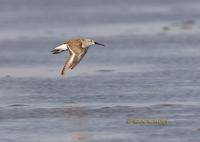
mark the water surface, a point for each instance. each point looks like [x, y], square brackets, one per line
[149, 69]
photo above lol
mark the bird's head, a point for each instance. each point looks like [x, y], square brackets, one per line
[90, 42]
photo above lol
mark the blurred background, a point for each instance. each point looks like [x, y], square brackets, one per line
[148, 69]
[30, 29]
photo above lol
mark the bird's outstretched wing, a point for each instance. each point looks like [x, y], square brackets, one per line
[69, 62]
[72, 61]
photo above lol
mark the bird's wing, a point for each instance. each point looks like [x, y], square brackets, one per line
[72, 61]
[79, 58]
[69, 62]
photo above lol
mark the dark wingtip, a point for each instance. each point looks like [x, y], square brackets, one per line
[62, 73]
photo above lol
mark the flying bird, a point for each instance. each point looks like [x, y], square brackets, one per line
[77, 48]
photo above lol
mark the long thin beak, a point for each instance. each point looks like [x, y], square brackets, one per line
[99, 43]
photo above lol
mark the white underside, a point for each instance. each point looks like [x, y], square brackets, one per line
[62, 47]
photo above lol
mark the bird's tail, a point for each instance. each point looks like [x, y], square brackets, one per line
[59, 49]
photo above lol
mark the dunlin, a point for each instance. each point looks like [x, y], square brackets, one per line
[77, 49]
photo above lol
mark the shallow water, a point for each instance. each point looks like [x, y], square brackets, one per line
[149, 69]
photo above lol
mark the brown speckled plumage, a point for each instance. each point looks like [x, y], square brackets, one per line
[77, 49]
